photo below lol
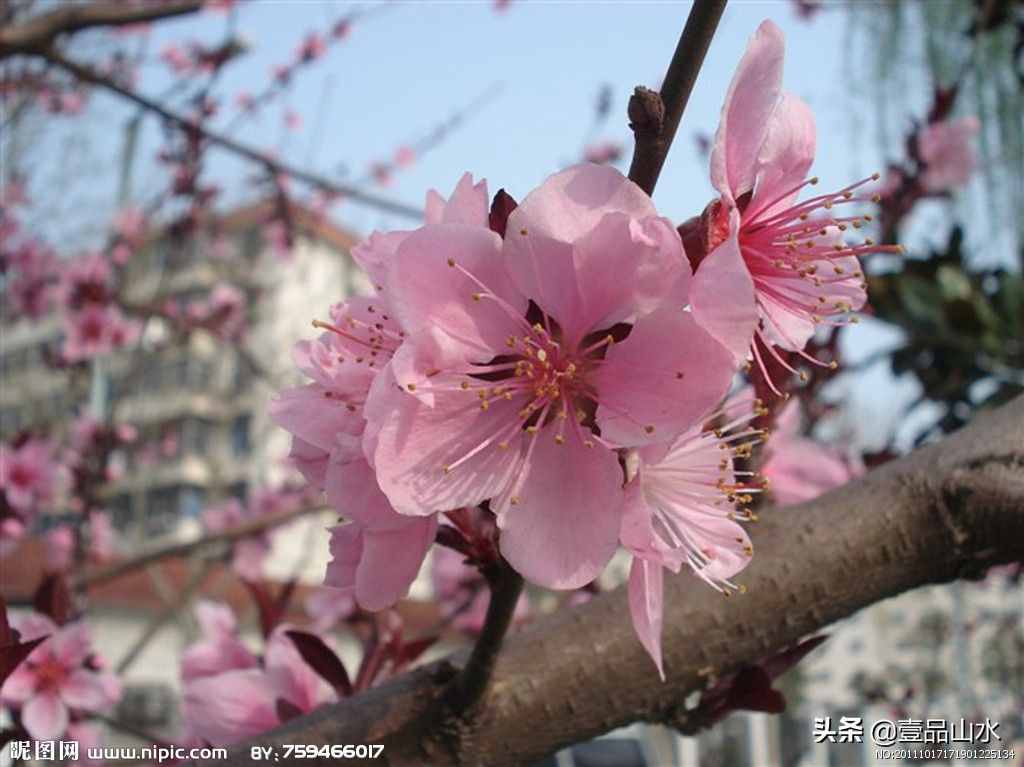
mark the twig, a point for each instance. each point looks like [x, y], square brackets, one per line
[87, 74]
[96, 576]
[40, 31]
[655, 117]
[164, 617]
[468, 687]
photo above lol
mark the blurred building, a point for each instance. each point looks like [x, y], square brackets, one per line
[199, 403]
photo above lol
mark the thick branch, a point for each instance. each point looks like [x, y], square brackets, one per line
[655, 117]
[274, 166]
[948, 510]
[98, 575]
[40, 31]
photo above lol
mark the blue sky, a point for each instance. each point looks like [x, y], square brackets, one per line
[410, 65]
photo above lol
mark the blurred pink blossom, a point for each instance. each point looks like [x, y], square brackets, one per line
[947, 153]
[57, 677]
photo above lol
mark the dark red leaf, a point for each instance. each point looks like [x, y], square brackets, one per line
[501, 207]
[265, 605]
[410, 651]
[286, 709]
[13, 654]
[322, 660]
[752, 691]
[782, 662]
[53, 598]
[7, 634]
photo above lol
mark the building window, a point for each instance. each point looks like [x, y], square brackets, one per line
[195, 436]
[240, 444]
[192, 501]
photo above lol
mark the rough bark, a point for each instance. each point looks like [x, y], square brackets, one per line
[38, 32]
[949, 510]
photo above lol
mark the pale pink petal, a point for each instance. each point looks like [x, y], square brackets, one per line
[570, 204]
[346, 545]
[228, 707]
[646, 605]
[89, 690]
[474, 314]
[562, 533]
[352, 489]
[310, 460]
[468, 204]
[375, 254]
[415, 443]
[722, 298]
[312, 415]
[624, 268]
[72, 644]
[725, 544]
[637, 532]
[391, 561]
[215, 656]
[661, 379]
[215, 619]
[20, 685]
[752, 97]
[785, 157]
[45, 716]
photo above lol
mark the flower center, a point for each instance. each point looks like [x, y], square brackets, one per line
[50, 673]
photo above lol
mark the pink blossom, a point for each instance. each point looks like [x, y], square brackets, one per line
[311, 48]
[292, 120]
[680, 510]
[102, 537]
[515, 374]
[379, 553]
[28, 475]
[224, 708]
[800, 468]
[775, 267]
[224, 312]
[326, 606]
[30, 271]
[59, 548]
[381, 173]
[947, 153]
[220, 648]
[130, 224]
[96, 330]
[86, 280]
[404, 156]
[245, 101]
[59, 676]
[250, 553]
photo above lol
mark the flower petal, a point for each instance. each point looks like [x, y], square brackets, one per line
[666, 375]
[570, 204]
[89, 690]
[753, 95]
[352, 489]
[314, 416]
[646, 606]
[228, 707]
[45, 716]
[470, 317]
[391, 561]
[415, 442]
[561, 534]
[785, 157]
[722, 298]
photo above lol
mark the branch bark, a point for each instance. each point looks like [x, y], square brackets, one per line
[949, 510]
[39, 32]
[99, 575]
[274, 166]
[654, 117]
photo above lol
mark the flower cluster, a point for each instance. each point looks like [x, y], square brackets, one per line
[560, 364]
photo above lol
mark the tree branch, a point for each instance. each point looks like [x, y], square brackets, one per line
[274, 166]
[469, 686]
[39, 32]
[98, 575]
[655, 117]
[951, 509]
